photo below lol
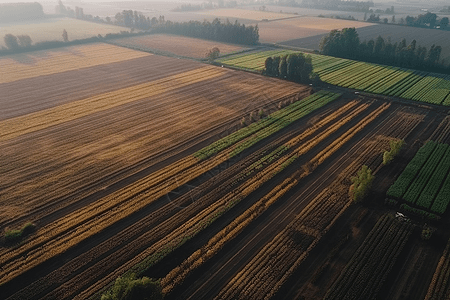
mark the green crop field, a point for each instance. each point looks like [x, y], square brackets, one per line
[378, 79]
[425, 182]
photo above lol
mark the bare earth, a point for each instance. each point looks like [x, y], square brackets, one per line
[178, 45]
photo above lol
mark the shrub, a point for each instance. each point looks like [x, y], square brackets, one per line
[361, 184]
[396, 146]
[427, 232]
[12, 236]
[213, 54]
[261, 113]
[391, 202]
[130, 288]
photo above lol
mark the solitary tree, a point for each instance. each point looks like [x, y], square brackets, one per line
[24, 40]
[213, 54]
[361, 184]
[65, 36]
[11, 41]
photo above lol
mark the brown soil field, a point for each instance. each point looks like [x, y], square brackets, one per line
[302, 27]
[47, 62]
[176, 45]
[68, 142]
[34, 94]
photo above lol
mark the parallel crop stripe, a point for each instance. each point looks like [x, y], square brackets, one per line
[46, 62]
[14, 127]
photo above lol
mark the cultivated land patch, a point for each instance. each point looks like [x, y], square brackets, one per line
[35, 94]
[175, 45]
[323, 23]
[72, 143]
[265, 196]
[243, 14]
[423, 36]
[157, 168]
[51, 29]
[281, 31]
[47, 62]
[378, 79]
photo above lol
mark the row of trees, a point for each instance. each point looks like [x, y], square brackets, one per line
[296, 67]
[346, 44]
[216, 30]
[135, 19]
[13, 42]
[428, 20]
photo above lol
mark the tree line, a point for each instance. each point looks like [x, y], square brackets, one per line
[428, 20]
[296, 67]
[216, 30]
[345, 43]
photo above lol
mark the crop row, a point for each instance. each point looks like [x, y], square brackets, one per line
[379, 79]
[264, 275]
[425, 180]
[242, 221]
[431, 190]
[274, 122]
[439, 287]
[71, 58]
[442, 133]
[422, 178]
[369, 267]
[203, 219]
[403, 125]
[401, 185]
[14, 127]
[93, 218]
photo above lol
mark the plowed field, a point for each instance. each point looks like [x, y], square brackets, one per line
[175, 45]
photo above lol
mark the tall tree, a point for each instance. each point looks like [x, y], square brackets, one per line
[65, 36]
[350, 41]
[24, 41]
[283, 67]
[11, 41]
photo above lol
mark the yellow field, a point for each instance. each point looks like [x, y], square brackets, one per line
[52, 29]
[46, 62]
[14, 127]
[244, 14]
